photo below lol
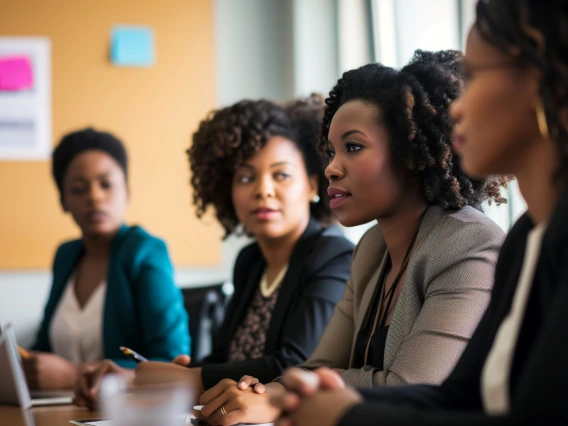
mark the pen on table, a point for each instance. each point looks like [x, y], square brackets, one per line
[23, 353]
[133, 355]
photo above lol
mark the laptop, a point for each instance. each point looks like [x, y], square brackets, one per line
[14, 389]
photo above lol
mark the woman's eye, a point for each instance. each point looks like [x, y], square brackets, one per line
[78, 191]
[244, 179]
[352, 147]
[281, 176]
[329, 154]
[106, 185]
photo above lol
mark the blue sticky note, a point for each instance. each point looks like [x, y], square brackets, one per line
[132, 46]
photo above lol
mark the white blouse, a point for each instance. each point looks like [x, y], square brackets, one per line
[76, 333]
[497, 368]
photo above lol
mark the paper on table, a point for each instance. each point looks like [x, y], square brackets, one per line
[185, 417]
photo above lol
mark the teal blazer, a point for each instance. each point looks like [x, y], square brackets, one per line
[143, 308]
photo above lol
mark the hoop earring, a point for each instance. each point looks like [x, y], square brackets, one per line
[316, 199]
[541, 121]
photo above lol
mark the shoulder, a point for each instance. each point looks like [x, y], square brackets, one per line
[465, 227]
[248, 255]
[329, 248]
[67, 250]
[136, 237]
[135, 244]
[465, 239]
[331, 242]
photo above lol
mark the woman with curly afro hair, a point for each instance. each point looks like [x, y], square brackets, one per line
[255, 164]
[421, 279]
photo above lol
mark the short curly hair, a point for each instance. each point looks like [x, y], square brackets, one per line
[230, 136]
[79, 141]
[414, 105]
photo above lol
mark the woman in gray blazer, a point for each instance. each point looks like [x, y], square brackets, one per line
[421, 278]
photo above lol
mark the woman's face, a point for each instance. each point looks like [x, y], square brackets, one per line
[95, 193]
[495, 117]
[364, 184]
[272, 191]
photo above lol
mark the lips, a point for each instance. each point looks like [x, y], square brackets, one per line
[264, 213]
[458, 142]
[96, 216]
[338, 197]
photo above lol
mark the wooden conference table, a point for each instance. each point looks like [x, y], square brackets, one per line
[45, 416]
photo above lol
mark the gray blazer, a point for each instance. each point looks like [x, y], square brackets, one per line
[445, 292]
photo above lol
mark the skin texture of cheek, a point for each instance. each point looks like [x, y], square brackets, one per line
[495, 134]
[376, 190]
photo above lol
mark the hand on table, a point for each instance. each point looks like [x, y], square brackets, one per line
[90, 377]
[314, 398]
[241, 404]
[49, 371]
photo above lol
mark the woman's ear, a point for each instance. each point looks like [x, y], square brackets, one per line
[314, 186]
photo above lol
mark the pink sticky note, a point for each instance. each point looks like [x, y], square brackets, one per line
[15, 73]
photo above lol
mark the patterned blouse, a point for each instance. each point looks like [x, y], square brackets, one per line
[250, 338]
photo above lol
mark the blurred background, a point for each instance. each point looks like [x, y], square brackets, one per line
[208, 53]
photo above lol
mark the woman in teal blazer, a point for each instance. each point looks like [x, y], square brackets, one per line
[115, 276]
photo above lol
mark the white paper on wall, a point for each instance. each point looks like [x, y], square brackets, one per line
[25, 115]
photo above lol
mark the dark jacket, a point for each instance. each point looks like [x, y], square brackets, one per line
[143, 308]
[319, 267]
[539, 376]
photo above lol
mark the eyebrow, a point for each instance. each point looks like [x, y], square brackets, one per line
[352, 132]
[82, 179]
[248, 166]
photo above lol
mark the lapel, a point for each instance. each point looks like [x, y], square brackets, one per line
[293, 279]
[371, 291]
[429, 221]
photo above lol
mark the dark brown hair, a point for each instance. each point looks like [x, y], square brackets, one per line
[230, 136]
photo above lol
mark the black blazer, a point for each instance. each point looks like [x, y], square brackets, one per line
[319, 267]
[539, 376]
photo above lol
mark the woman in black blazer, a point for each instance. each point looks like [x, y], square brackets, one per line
[255, 163]
[279, 197]
[314, 282]
[511, 119]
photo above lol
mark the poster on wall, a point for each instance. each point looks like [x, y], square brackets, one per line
[25, 98]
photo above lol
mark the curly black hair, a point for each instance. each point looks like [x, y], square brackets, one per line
[414, 105]
[230, 136]
[533, 33]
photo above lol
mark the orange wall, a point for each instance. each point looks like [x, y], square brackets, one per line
[153, 110]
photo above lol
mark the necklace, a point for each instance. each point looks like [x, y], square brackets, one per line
[268, 290]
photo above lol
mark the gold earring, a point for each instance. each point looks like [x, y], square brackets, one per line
[541, 120]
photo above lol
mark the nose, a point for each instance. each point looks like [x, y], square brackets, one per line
[456, 110]
[265, 188]
[334, 170]
[96, 193]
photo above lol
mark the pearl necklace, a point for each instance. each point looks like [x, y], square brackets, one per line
[268, 290]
